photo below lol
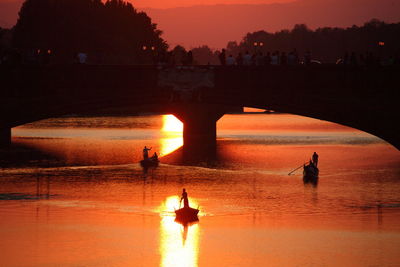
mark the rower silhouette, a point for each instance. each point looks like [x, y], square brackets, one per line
[315, 159]
[185, 199]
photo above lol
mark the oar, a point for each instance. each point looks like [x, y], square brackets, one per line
[295, 169]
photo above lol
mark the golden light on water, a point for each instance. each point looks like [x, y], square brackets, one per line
[172, 130]
[179, 245]
[172, 124]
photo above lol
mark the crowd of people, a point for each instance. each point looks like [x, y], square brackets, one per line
[277, 58]
[171, 58]
[186, 58]
[368, 59]
[259, 59]
[293, 58]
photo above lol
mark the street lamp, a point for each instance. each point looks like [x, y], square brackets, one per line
[258, 44]
[145, 47]
[148, 53]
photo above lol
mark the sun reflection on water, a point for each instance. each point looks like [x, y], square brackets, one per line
[172, 134]
[179, 245]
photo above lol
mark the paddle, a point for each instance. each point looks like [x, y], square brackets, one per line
[295, 169]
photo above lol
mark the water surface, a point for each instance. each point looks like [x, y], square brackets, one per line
[83, 200]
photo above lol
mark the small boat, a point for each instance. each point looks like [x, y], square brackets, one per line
[310, 171]
[186, 215]
[150, 162]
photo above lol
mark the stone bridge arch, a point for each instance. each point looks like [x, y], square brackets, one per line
[362, 98]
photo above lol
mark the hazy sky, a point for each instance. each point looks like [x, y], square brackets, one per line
[186, 3]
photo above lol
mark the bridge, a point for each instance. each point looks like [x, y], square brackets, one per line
[362, 98]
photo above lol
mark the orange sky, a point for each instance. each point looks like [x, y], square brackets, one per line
[192, 23]
[185, 3]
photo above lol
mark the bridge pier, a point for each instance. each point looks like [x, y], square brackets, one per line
[199, 129]
[5, 137]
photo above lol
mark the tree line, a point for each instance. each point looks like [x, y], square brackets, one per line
[325, 44]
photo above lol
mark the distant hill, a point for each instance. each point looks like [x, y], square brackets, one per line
[218, 24]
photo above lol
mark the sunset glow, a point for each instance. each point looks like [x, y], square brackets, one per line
[172, 124]
[187, 133]
[172, 131]
[186, 3]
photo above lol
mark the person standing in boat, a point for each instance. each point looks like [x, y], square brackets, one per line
[146, 152]
[185, 199]
[315, 159]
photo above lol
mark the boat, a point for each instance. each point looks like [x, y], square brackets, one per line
[150, 162]
[310, 173]
[186, 215]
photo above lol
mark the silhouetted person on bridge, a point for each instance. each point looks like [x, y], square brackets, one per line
[230, 61]
[146, 152]
[315, 159]
[353, 59]
[275, 58]
[239, 59]
[222, 57]
[296, 56]
[82, 58]
[260, 59]
[283, 58]
[267, 59]
[185, 199]
[291, 59]
[307, 58]
[247, 59]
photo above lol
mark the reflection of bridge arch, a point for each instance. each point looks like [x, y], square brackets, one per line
[364, 99]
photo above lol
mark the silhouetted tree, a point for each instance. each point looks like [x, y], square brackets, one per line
[5, 38]
[203, 55]
[179, 54]
[233, 48]
[109, 32]
[5, 42]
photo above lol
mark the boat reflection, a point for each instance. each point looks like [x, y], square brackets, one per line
[313, 181]
[172, 134]
[179, 243]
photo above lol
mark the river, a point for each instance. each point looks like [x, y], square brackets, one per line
[75, 195]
